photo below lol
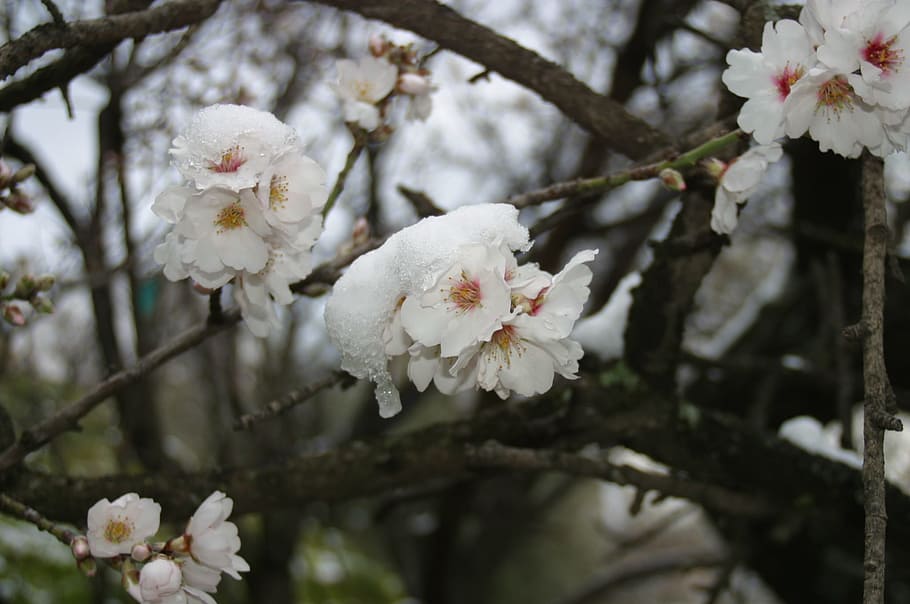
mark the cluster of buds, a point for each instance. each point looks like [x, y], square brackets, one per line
[183, 570]
[367, 87]
[11, 196]
[30, 290]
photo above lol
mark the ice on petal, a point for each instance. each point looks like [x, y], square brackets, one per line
[603, 332]
[366, 296]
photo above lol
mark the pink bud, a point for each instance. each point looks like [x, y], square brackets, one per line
[715, 167]
[414, 84]
[672, 179]
[88, 566]
[361, 231]
[80, 547]
[13, 314]
[19, 202]
[378, 45]
[141, 552]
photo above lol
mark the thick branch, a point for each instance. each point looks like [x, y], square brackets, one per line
[600, 115]
[104, 31]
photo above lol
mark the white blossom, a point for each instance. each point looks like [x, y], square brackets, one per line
[824, 103]
[161, 582]
[738, 182]
[875, 41]
[766, 78]
[229, 146]
[212, 540]
[292, 192]
[466, 303]
[115, 527]
[819, 16]
[418, 88]
[361, 86]
[365, 299]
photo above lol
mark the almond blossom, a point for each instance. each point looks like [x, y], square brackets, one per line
[251, 219]
[114, 527]
[874, 41]
[766, 78]
[361, 86]
[738, 181]
[211, 540]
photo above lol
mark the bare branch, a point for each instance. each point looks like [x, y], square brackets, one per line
[600, 115]
[106, 30]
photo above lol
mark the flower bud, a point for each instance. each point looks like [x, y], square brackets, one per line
[159, 579]
[141, 552]
[42, 304]
[80, 547]
[177, 545]
[45, 282]
[672, 179]
[26, 287]
[715, 167]
[361, 231]
[88, 566]
[12, 314]
[4, 279]
[378, 45]
[19, 202]
[414, 84]
[22, 173]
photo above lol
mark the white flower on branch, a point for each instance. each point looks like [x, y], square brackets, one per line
[361, 86]
[738, 181]
[213, 541]
[251, 219]
[230, 146]
[161, 582]
[114, 527]
[449, 293]
[766, 77]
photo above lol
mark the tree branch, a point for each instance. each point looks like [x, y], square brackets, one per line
[877, 388]
[600, 115]
[103, 31]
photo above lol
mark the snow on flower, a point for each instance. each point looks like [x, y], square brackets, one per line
[448, 293]
[213, 541]
[418, 87]
[603, 332]
[738, 181]
[766, 78]
[361, 86]
[229, 146]
[249, 214]
[115, 527]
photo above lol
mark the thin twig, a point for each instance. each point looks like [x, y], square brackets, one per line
[290, 400]
[877, 388]
[601, 184]
[55, 13]
[353, 154]
[22, 511]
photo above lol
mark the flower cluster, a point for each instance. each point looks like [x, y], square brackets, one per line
[840, 74]
[250, 212]
[449, 295]
[366, 87]
[184, 570]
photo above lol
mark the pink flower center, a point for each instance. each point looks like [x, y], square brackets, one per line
[882, 53]
[786, 78]
[231, 160]
[465, 293]
[118, 530]
[835, 94]
[230, 217]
